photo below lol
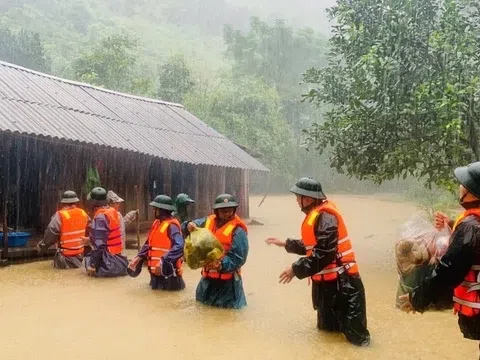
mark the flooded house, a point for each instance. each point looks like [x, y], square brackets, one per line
[57, 134]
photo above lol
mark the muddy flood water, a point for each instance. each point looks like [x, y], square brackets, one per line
[48, 314]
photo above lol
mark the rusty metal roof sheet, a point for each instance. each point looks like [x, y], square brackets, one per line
[37, 104]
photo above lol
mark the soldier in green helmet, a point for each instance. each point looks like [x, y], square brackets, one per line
[328, 259]
[221, 284]
[106, 258]
[66, 230]
[182, 203]
[459, 268]
[163, 249]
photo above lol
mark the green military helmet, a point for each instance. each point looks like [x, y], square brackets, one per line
[184, 199]
[98, 196]
[309, 187]
[69, 197]
[225, 201]
[469, 177]
[163, 202]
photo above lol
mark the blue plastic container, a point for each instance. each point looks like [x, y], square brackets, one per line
[16, 239]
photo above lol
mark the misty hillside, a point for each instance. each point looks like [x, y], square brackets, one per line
[236, 64]
[164, 27]
[299, 13]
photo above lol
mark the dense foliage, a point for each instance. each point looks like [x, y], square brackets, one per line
[24, 49]
[403, 89]
[247, 111]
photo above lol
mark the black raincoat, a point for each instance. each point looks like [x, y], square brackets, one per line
[463, 252]
[340, 304]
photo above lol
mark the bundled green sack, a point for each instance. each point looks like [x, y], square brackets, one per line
[201, 248]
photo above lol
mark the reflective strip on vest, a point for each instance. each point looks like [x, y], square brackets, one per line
[339, 269]
[340, 255]
[472, 286]
[79, 232]
[71, 248]
[208, 224]
[159, 249]
[228, 230]
[466, 303]
[345, 239]
[313, 215]
[68, 241]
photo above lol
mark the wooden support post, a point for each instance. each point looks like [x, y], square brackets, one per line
[243, 194]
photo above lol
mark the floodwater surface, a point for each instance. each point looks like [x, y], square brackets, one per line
[52, 314]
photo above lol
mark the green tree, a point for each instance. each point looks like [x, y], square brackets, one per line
[175, 79]
[402, 86]
[246, 110]
[25, 49]
[113, 64]
[278, 55]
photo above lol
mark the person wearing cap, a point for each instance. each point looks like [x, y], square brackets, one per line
[66, 229]
[105, 259]
[116, 202]
[182, 203]
[163, 249]
[221, 284]
[328, 260]
[459, 268]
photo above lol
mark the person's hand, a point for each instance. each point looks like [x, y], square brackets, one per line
[275, 241]
[91, 271]
[441, 220]
[86, 240]
[158, 270]
[214, 265]
[287, 275]
[133, 264]
[406, 305]
[191, 226]
[39, 248]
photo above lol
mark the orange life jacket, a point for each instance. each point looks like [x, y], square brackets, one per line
[114, 241]
[225, 236]
[73, 223]
[159, 244]
[467, 295]
[345, 257]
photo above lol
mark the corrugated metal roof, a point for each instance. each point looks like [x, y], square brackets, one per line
[37, 104]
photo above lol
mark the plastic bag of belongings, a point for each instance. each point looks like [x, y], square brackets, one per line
[201, 248]
[418, 249]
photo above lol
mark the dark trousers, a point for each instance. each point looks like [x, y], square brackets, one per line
[341, 307]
